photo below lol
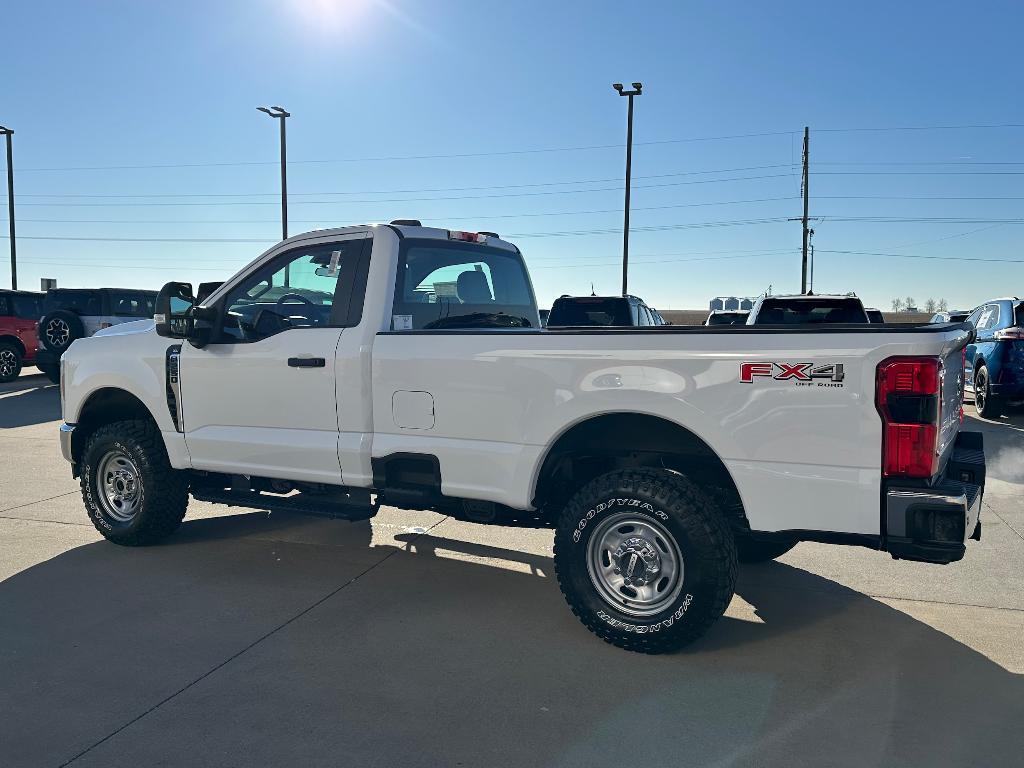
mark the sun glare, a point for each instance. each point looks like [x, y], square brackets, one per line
[332, 15]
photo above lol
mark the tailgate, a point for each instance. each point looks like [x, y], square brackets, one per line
[951, 404]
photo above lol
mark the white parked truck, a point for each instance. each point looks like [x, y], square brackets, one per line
[406, 365]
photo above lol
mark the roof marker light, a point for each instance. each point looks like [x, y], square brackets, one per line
[467, 237]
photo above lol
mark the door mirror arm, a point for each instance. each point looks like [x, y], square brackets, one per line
[203, 321]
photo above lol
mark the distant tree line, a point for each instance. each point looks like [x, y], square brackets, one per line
[908, 304]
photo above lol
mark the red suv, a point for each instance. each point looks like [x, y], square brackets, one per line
[19, 315]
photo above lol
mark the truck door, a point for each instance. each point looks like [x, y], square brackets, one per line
[260, 398]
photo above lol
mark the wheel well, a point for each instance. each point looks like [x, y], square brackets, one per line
[622, 440]
[103, 407]
[15, 341]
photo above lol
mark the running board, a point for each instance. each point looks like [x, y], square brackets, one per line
[345, 504]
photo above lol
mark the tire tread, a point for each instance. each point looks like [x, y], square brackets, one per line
[673, 491]
[166, 489]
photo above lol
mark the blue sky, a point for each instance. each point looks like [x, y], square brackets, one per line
[91, 85]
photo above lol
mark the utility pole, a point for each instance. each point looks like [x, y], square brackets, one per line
[280, 114]
[637, 91]
[8, 133]
[806, 192]
[810, 279]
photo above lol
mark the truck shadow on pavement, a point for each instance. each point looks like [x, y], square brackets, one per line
[278, 640]
[27, 401]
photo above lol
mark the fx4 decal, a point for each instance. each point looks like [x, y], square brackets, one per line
[828, 374]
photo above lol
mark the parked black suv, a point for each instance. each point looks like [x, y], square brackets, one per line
[569, 311]
[74, 313]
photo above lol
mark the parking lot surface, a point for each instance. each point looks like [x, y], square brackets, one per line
[414, 639]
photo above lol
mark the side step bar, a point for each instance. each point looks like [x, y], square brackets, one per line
[344, 504]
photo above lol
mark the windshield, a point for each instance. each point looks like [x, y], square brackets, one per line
[810, 311]
[450, 285]
[589, 311]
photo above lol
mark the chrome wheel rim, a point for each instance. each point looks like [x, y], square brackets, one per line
[8, 363]
[980, 392]
[58, 332]
[635, 564]
[120, 486]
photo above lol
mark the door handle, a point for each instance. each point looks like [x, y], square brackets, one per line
[306, 362]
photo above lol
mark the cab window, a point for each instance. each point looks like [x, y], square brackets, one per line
[446, 285]
[299, 289]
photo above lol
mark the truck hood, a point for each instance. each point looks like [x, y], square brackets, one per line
[125, 329]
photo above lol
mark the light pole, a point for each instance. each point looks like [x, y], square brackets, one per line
[637, 91]
[280, 114]
[8, 133]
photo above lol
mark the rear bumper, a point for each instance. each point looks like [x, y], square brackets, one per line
[933, 523]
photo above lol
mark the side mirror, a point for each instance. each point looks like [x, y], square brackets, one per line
[173, 310]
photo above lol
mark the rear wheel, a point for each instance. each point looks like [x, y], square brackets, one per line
[10, 362]
[131, 493]
[751, 551]
[987, 405]
[644, 559]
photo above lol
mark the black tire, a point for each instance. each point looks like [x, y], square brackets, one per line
[986, 404]
[161, 495]
[751, 551]
[698, 532]
[10, 362]
[58, 329]
[51, 371]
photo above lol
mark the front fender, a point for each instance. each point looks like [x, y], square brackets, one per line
[132, 363]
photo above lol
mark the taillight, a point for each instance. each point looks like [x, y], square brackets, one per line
[908, 396]
[1009, 334]
[467, 237]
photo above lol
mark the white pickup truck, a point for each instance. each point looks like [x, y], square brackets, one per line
[406, 365]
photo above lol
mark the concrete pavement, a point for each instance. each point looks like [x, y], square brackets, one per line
[414, 639]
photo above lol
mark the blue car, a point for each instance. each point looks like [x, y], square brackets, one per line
[994, 366]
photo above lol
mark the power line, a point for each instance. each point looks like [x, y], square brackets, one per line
[918, 220]
[920, 128]
[495, 153]
[408, 199]
[412, 191]
[911, 197]
[82, 238]
[918, 173]
[179, 267]
[382, 218]
[918, 256]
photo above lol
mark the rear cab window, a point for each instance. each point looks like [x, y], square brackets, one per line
[590, 311]
[810, 311]
[450, 285]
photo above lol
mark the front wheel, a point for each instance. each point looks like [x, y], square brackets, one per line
[644, 559]
[131, 493]
[10, 362]
[985, 403]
